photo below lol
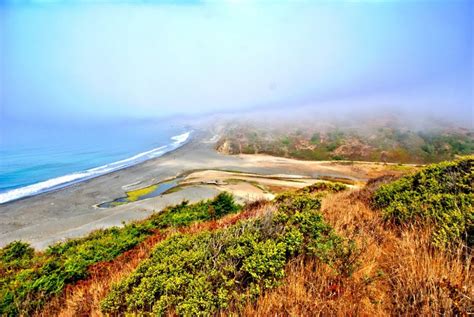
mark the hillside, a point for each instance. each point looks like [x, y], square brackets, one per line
[393, 247]
[379, 141]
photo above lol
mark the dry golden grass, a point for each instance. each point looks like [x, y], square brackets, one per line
[397, 272]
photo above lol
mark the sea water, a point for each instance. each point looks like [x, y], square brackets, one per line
[36, 158]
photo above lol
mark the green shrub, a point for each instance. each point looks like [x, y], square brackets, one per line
[332, 187]
[16, 255]
[224, 204]
[25, 288]
[441, 194]
[199, 274]
[28, 279]
[184, 213]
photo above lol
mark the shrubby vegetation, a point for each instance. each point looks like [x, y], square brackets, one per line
[225, 266]
[442, 195]
[199, 274]
[333, 187]
[376, 143]
[184, 213]
[442, 145]
[28, 279]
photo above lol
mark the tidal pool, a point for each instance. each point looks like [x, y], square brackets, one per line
[142, 193]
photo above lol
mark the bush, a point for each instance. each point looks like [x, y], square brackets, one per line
[184, 213]
[16, 255]
[29, 279]
[441, 194]
[46, 274]
[223, 204]
[332, 187]
[199, 274]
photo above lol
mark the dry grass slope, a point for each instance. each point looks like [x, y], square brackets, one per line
[398, 272]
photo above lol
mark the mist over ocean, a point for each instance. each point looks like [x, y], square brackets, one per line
[39, 157]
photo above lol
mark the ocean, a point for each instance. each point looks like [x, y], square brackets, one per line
[36, 158]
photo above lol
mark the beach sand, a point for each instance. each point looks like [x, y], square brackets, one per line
[72, 211]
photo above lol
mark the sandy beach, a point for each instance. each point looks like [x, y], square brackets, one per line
[72, 211]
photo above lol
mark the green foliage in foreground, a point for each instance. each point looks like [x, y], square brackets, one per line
[27, 279]
[199, 274]
[30, 279]
[442, 194]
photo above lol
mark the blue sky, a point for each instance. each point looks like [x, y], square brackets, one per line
[82, 59]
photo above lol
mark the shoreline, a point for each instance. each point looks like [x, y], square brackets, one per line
[72, 212]
[95, 172]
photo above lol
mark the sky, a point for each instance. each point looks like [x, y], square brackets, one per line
[142, 59]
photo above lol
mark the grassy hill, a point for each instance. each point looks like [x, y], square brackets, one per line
[394, 247]
[441, 196]
[377, 141]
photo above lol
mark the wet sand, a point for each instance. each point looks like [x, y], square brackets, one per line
[72, 211]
